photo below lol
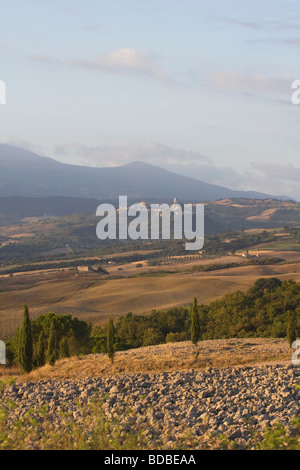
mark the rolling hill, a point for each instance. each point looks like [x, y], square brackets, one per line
[23, 173]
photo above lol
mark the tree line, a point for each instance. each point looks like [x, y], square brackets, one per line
[270, 308]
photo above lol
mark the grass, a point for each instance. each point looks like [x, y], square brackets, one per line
[279, 438]
[163, 358]
[36, 431]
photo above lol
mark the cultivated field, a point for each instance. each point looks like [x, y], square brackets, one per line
[94, 297]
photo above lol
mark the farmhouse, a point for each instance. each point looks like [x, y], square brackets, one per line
[85, 269]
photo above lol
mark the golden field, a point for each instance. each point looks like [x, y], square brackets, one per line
[94, 297]
[168, 357]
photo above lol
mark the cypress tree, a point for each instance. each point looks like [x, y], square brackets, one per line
[25, 346]
[64, 348]
[40, 351]
[110, 340]
[195, 326]
[52, 345]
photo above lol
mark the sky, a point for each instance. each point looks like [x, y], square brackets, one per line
[199, 88]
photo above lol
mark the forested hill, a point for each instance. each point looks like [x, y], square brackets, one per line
[265, 310]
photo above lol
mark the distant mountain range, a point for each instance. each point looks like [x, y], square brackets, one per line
[23, 173]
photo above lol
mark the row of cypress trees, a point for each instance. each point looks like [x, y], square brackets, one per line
[25, 343]
[26, 358]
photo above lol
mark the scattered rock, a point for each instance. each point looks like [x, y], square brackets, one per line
[233, 402]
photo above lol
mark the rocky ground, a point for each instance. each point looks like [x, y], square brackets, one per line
[233, 401]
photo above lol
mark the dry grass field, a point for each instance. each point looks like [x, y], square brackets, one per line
[166, 358]
[94, 297]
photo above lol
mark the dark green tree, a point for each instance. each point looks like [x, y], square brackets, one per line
[291, 330]
[52, 351]
[40, 359]
[152, 336]
[110, 340]
[195, 329]
[64, 348]
[25, 345]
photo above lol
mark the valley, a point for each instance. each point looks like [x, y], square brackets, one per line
[127, 288]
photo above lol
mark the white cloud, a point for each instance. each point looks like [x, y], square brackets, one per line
[26, 145]
[286, 172]
[113, 155]
[260, 176]
[125, 60]
[251, 83]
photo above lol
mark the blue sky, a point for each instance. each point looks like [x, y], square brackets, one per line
[200, 88]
